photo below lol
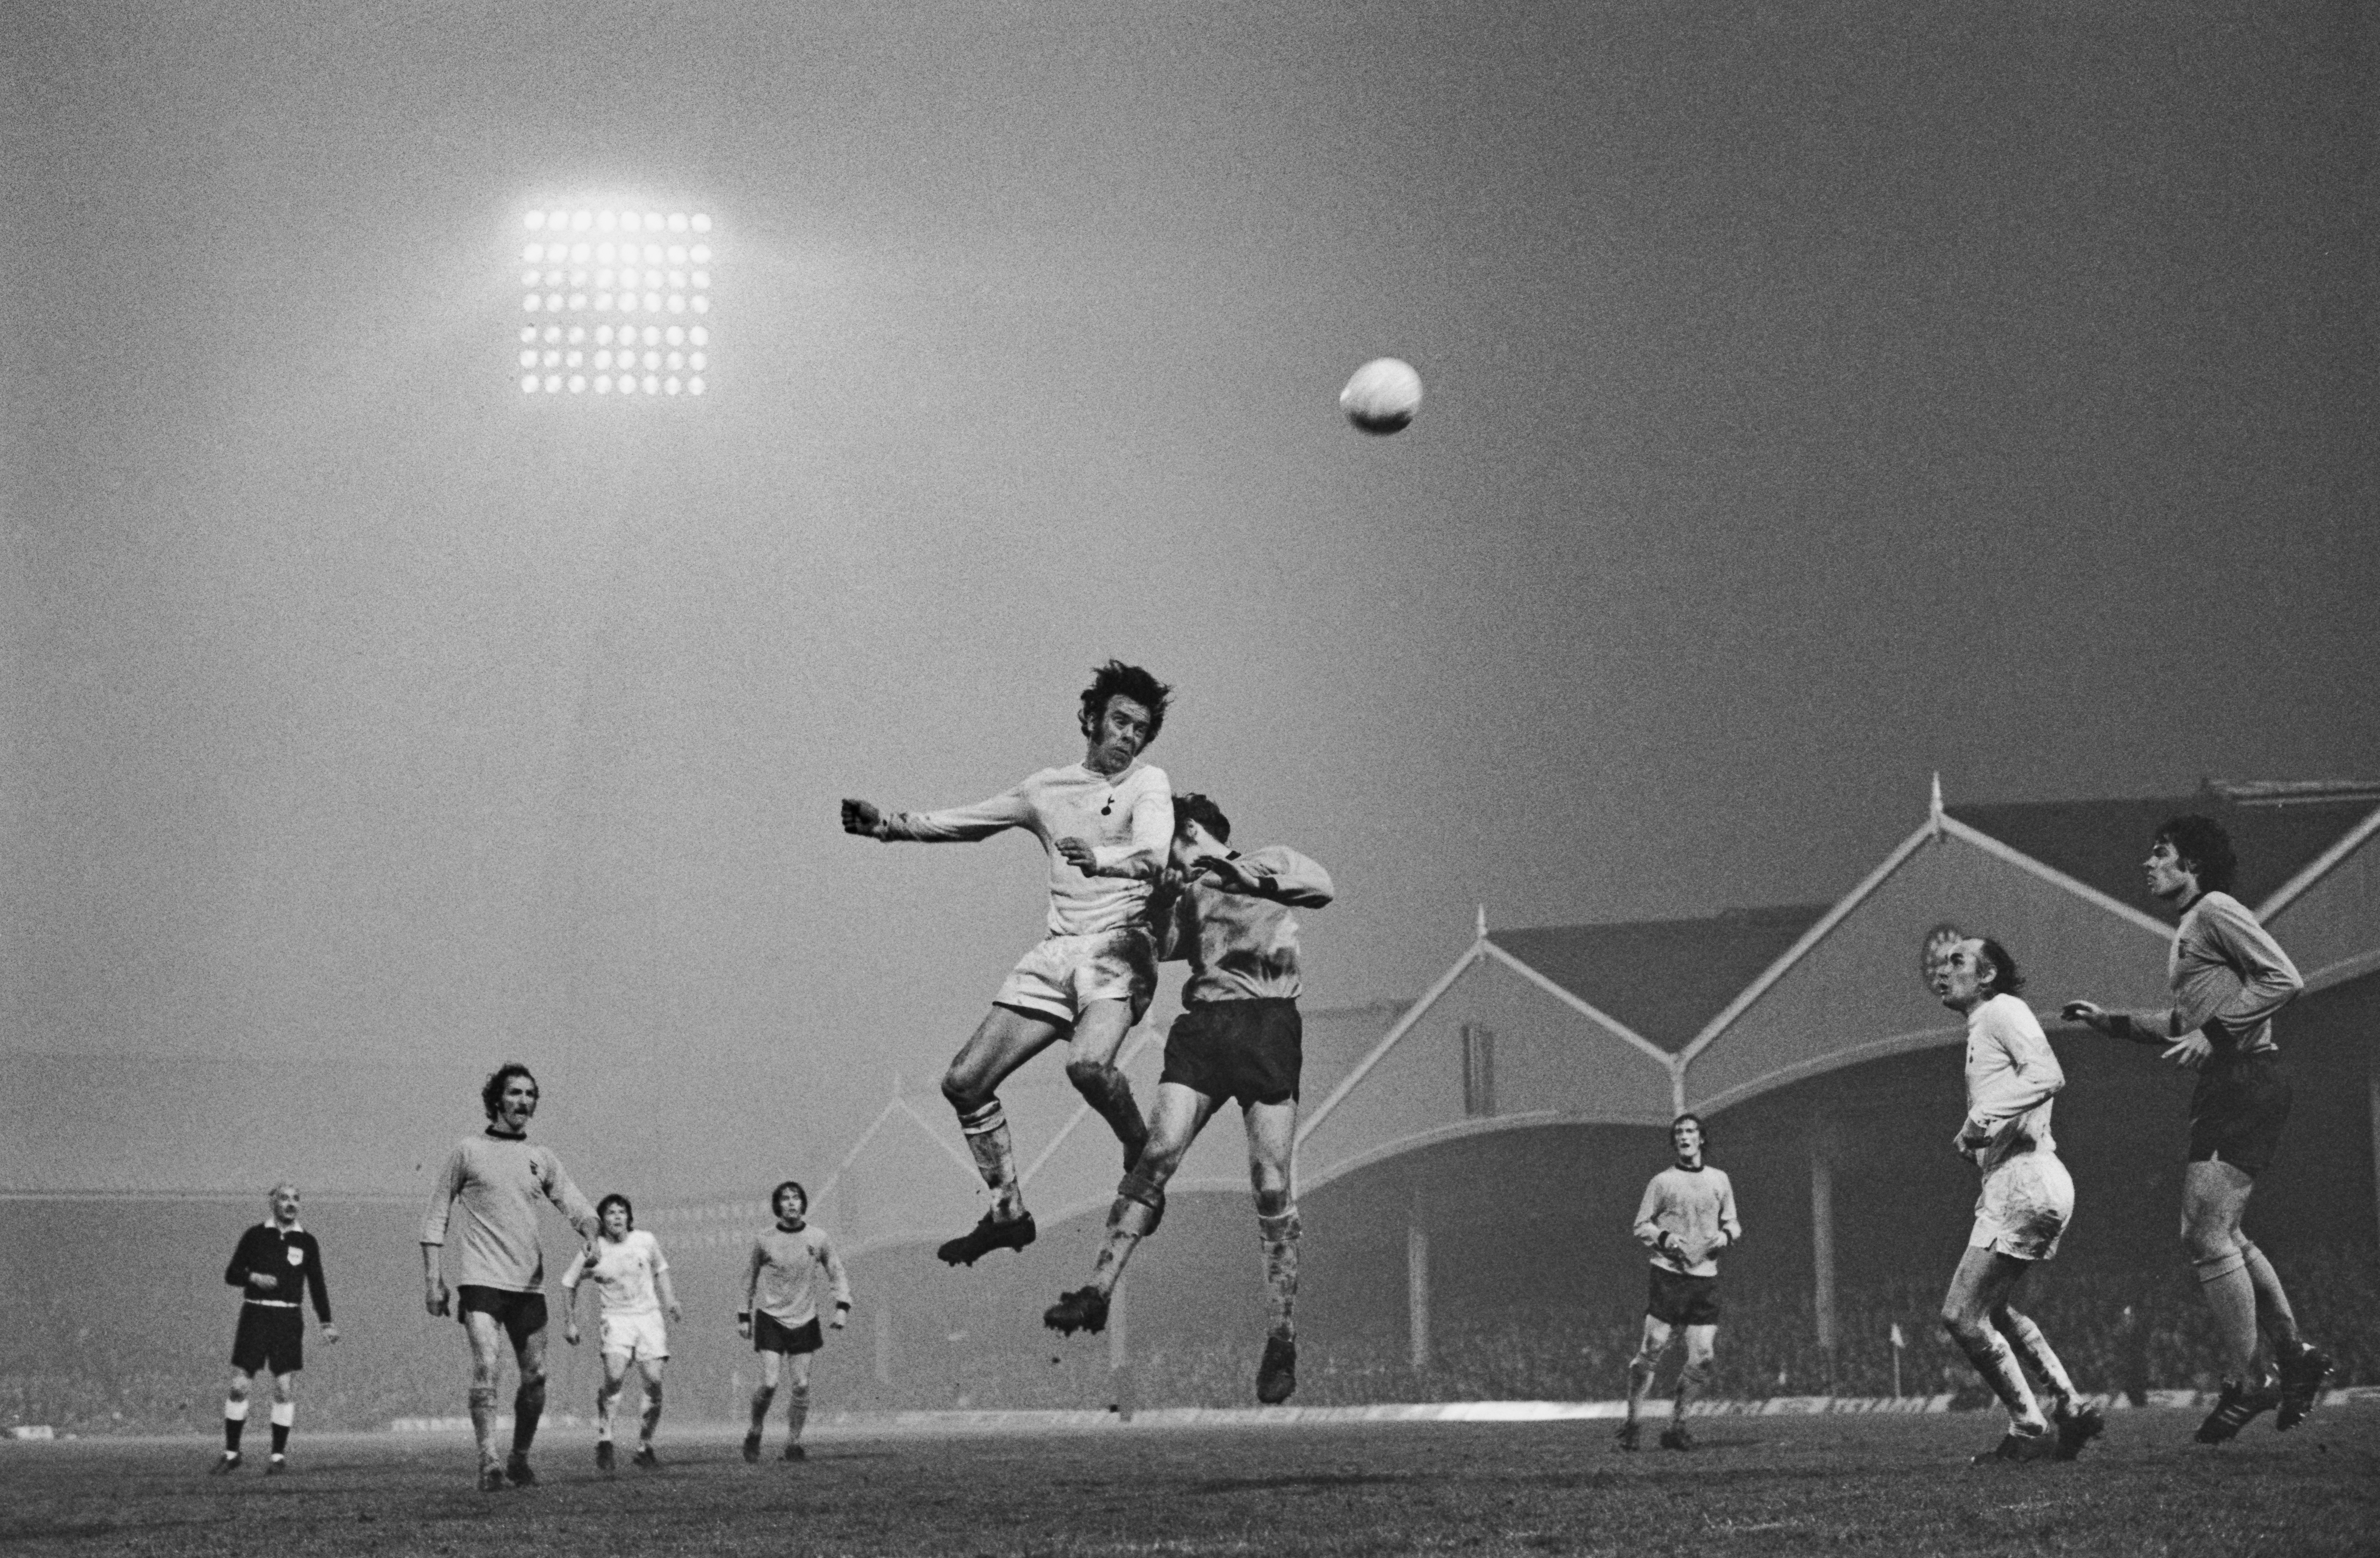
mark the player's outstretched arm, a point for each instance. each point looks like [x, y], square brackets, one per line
[1275, 873]
[958, 825]
[570, 1279]
[555, 1180]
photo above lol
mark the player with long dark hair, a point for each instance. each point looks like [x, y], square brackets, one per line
[1105, 822]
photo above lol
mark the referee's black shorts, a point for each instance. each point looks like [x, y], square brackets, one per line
[1678, 1299]
[1247, 1051]
[270, 1337]
[2237, 1109]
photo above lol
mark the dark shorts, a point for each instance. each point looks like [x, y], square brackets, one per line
[1247, 1051]
[269, 1338]
[771, 1335]
[2238, 1111]
[521, 1314]
[1678, 1299]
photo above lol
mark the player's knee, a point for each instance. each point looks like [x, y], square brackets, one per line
[2204, 1243]
[799, 1393]
[962, 1091]
[238, 1391]
[284, 1387]
[532, 1378]
[1696, 1371]
[1092, 1078]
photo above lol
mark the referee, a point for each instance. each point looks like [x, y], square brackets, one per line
[272, 1259]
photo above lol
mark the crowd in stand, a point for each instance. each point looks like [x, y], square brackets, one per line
[2122, 1334]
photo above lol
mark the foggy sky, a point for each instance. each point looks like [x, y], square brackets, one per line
[1818, 397]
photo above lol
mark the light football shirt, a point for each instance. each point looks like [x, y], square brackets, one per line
[625, 1274]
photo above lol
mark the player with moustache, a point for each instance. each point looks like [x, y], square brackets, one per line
[496, 1180]
[1105, 822]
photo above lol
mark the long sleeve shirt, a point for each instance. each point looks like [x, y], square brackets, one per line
[2229, 978]
[779, 1281]
[1694, 1207]
[2012, 1073]
[1241, 946]
[291, 1258]
[1126, 817]
[496, 1182]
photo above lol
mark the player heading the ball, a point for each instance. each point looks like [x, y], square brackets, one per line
[1105, 822]
[1239, 1037]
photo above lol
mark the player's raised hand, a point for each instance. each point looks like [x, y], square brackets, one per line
[2190, 1050]
[859, 817]
[1077, 854]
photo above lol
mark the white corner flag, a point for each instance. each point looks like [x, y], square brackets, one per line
[1898, 1343]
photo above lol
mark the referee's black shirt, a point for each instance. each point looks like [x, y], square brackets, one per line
[286, 1256]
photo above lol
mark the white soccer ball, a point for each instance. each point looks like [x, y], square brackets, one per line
[1382, 396]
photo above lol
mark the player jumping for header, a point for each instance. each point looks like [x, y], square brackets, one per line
[1687, 1216]
[1105, 822]
[1239, 1037]
[633, 1281]
[274, 1261]
[497, 1178]
[2026, 1201]
[2229, 978]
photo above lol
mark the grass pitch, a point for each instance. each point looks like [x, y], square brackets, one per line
[1758, 1486]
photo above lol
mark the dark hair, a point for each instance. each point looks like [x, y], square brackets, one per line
[778, 1195]
[1697, 1119]
[1195, 807]
[2006, 981]
[491, 1091]
[622, 1202]
[1115, 677]
[2202, 844]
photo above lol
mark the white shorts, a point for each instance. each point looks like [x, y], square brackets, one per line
[2026, 1205]
[636, 1337]
[1064, 974]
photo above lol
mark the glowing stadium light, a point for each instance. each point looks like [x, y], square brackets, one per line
[613, 261]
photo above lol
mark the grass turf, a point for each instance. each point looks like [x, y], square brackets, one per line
[1758, 1486]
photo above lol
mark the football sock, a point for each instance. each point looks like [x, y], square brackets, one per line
[2231, 1296]
[1138, 1208]
[2272, 1312]
[2034, 1347]
[1997, 1363]
[762, 1396]
[483, 1418]
[529, 1405]
[1691, 1379]
[1278, 1235]
[797, 1412]
[1108, 1092]
[652, 1417]
[986, 1130]
[285, 1414]
[234, 1420]
[1640, 1383]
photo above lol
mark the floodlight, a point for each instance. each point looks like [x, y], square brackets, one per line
[610, 261]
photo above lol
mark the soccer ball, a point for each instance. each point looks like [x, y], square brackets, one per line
[1382, 396]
